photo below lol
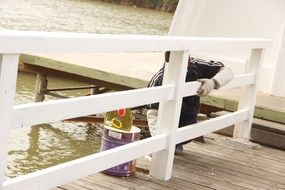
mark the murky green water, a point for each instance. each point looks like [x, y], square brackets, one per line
[45, 145]
[81, 16]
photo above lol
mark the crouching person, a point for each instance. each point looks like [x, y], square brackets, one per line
[212, 75]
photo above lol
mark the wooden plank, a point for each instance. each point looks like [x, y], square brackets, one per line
[243, 161]
[117, 182]
[240, 81]
[229, 168]
[247, 176]
[88, 185]
[77, 77]
[8, 76]
[201, 128]
[191, 88]
[267, 135]
[106, 183]
[222, 176]
[102, 67]
[247, 151]
[144, 182]
[263, 151]
[41, 87]
[267, 107]
[190, 177]
[80, 106]
[47, 42]
[267, 138]
[71, 186]
[204, 179]
[217, 182]
[250, 176]
[238, 168]
[175, 183]
[248, 97]
[264, 132]
[273, 113]
[265, 168]
[161, 167]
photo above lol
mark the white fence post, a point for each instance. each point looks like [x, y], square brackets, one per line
[8, 76]
[168, 116]
[248, 96]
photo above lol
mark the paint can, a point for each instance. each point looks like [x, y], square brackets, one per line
[112, 138]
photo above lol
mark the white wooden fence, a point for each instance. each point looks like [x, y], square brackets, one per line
[12, 44]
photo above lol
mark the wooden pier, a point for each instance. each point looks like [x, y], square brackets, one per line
[219, 163]
[120, 71]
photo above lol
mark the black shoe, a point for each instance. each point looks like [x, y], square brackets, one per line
[200, 139]
[178, 149]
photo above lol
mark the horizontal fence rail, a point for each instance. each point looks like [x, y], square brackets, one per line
[198, 129]
[60, 174]
[170, 94]
[82, 106]
[44, 42]
[68, 108]
[241, 80]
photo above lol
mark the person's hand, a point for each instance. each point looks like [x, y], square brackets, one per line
[207, 86]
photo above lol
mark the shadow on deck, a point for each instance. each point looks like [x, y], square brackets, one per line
[219, 163]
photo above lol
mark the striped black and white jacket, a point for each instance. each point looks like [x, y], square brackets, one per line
[197, 69]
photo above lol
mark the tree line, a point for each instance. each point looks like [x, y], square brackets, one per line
[163, 5]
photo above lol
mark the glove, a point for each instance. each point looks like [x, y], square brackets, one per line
[224, 76]
[207, 86]
[151, 116]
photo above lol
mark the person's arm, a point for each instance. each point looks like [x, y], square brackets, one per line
[151, 116]
[224, 76]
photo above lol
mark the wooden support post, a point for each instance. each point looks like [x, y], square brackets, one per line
[41, 87]
[94, 90]
[248, 97]
[8, 76]
[168, 115]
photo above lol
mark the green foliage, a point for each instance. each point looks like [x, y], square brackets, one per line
[163, 5]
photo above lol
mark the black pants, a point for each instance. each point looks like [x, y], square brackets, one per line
[185, 121]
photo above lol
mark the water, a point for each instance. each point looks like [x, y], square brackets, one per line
[46, 145]
[42, 146]
[81, 16]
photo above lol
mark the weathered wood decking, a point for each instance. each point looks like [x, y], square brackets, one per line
[119, 69]
[220, 163]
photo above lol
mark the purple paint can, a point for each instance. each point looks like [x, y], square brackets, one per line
[112, 138]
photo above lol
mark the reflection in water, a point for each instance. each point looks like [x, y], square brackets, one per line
[45, 145]
[53, 144]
